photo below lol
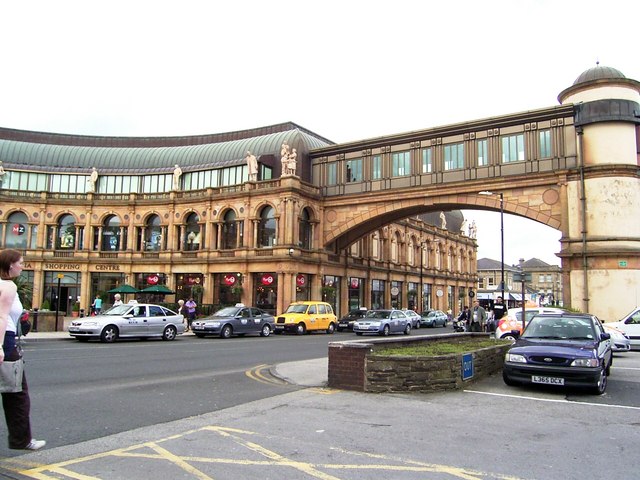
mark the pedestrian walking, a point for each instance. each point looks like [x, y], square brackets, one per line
[17, 406]
[191, 311]
[183, 311]
[97, 305]
[478, 317]
[499, 311]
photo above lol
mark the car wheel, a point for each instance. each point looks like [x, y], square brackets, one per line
[109, 334]
[385, 331]
[266, 330]
[226, 331]
[331, 328]
[444, 324]
[169, 333]
[407, 329]
[301, 329]
[508, 381]
[417, 325]
[601, 386]
[508, 336]
[200, 335]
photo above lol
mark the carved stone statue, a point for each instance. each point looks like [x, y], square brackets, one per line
[473, 230]
[291, 164]
[252, 165]
[2, 172]
[177, 173]
[443, 221]
[284, 158]
[463, 227]
[93, 180]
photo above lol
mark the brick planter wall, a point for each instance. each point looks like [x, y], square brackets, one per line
[354, 365]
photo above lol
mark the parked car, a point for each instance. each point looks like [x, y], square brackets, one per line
[303, 317]
[510, 328]
[630, 324]
[346, 322]
[433, 318]
[130, 320]
[383, 322]
[413, 316]
[566, 349]
[620, 341]
[237, 320]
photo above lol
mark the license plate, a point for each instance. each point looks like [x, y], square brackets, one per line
[198, 327]
[547, 380]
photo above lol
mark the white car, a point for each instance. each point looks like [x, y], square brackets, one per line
[620, 341]
[131, 320]
[630, 325]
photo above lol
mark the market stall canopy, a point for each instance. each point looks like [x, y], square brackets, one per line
[124, 288]
[157, 289]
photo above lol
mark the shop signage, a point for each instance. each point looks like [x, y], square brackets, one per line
[230, 280]
[301, 280]
[395, 291]
[355, 282]
[62, 266]
[18, 229]
[153, 279]
[107, 267]
[267, 279]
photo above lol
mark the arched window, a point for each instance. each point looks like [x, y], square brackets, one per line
[267, 228]
[153, 234]
[110, 239]
[229, 231]
[395, 248]
[192, 234]
[16, 236]
[66, 232]
[305, 228]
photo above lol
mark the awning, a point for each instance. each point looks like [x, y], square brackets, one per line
[157, 289]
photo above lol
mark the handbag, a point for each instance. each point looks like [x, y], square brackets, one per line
[11, 376]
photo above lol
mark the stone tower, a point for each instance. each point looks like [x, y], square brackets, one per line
[601, 240]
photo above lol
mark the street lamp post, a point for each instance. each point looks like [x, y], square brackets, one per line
[486, 192]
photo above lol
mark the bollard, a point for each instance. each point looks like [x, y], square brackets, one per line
[34, 328]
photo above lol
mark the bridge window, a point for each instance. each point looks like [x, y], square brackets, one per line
[483, 155]
[354, 170]
[454, 156]
[427, 160]
[332, 173]
[401, 164]
[377, 294]
[233, 175]
[200, 180]
[66, 232]
[513, 148]
[229, 231]
[376, 167]
[545, 143]
[305, 228]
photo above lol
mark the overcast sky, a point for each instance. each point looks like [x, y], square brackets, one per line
[347, 70]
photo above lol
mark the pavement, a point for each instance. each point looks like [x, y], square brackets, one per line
[320, 433]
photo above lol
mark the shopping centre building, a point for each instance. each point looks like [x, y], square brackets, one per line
[225, 218]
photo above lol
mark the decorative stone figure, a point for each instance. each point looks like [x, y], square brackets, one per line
[252, 165]
[473, 230]
[2, 172]
[291, 164]
[93, 180]
[443, 221]
[177, 173]
[284, 158]
[463, 227]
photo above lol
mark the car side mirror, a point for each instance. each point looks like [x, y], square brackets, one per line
[605, 336]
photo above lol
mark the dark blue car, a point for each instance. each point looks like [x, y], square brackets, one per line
[570, 350]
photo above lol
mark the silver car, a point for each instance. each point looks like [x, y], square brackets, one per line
[383, 322]
[238, 320]
[131, 320]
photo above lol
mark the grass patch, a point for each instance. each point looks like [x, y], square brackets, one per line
[439, 348]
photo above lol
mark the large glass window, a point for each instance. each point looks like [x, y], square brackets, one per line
[153, 234]
[377, 294]
[17, 228]
[110, 239]
[454, 156]
[354, 170]
[376, 167]
[483, 155]
[267, 228]
[513, 148]
[545, 143]
[192, 233]
[229, 231]
[66, 232]
[427, 160]
[305, 229]
[332, 173]
[401, 164]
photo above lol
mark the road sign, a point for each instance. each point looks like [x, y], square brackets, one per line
[472, 294]
[467, 366]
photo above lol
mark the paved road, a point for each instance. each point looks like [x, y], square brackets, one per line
[487, 431]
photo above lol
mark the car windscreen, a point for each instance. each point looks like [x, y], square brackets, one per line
[118, 310]
[378, 314]
[297, 309]
[565, 328]
[226, 312]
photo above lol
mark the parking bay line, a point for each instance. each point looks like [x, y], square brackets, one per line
[552, 400]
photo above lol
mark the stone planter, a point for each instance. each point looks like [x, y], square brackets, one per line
[355, 365]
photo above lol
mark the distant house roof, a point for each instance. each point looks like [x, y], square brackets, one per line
[535, 263]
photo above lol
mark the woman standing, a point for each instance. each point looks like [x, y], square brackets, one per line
[16, 405]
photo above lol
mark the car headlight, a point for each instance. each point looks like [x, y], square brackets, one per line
[514, 358]
[585, 362]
